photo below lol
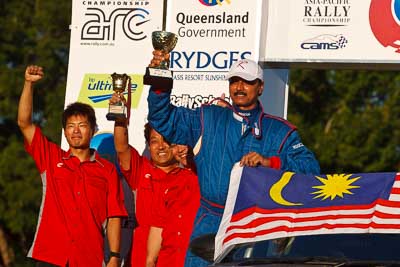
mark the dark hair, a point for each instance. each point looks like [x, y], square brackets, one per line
[147, 130]
[79, 108]
[259, 81]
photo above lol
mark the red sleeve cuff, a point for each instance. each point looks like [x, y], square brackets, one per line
[275, 162]
[157, 224]
[158, 91]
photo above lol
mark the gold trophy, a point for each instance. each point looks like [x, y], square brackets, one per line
[119, 110]
[160, 76]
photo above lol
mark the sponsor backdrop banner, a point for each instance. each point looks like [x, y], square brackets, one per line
[110, 36]
[106, 37]
[354, 31]
[212, 34]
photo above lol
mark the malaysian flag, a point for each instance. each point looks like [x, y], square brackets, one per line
[264, 204]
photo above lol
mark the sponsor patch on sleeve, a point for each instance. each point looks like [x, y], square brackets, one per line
[297, 146]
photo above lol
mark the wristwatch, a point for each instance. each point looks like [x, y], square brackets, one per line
[115, 254]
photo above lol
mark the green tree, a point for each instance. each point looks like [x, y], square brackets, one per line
[32, 32]
[349, 118]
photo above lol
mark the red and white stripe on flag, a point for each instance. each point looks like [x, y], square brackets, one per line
[256, 224]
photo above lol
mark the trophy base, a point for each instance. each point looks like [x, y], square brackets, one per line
[115, 116]
[116, 112]
[161, 79]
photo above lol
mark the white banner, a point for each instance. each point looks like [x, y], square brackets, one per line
[340, 31]
[115, 36]
[212, 34]
[106, 37]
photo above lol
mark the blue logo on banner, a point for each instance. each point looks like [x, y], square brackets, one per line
[213, 2]
[325, 42]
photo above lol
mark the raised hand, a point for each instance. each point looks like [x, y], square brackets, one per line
[33, 73]
[116, 98]
[158, 57]
[222, 103]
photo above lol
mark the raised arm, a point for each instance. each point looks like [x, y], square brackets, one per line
[121, 138]
[32, 74]
[177, 124]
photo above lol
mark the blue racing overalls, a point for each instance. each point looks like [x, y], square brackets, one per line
[220, 137]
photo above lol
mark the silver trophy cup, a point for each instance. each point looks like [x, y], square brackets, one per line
[160, 76]
[118, 110]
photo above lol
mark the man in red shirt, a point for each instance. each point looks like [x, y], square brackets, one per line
[151, 179]
[175, 207]
[81, 191]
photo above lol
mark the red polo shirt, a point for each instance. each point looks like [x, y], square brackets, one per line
[78, 197]
[143, 177]
[175, 209]
[146, 180]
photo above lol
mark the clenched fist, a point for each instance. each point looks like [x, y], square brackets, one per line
[33, 73]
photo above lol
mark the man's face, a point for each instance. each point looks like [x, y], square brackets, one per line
[78, 132]
[244, 93]
[160, 151]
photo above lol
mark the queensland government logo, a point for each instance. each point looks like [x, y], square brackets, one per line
[96, 90]
[325, 42]
[214, 2]
[384, 18]
[100, 26]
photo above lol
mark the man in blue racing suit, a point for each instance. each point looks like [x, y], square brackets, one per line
[224, 135]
